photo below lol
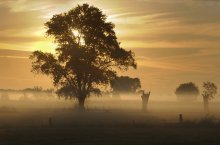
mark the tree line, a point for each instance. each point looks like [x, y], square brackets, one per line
[35, 92]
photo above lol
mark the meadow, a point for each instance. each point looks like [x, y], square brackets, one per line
[108, 122]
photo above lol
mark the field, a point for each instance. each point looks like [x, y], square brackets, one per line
[107, 124]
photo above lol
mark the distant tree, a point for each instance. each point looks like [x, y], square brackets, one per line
[210, 90]
[87, 56]
[125, 84]
[187, 91]
[38, 93]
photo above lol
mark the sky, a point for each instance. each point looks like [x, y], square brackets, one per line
[175, 41]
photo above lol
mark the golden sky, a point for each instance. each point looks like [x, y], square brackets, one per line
[175, 41]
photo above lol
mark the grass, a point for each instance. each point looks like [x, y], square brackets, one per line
[30, 126]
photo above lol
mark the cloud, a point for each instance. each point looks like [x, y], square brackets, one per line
[19, 20]
[166, 52]
[31, 5]
[174, 40]
[21, 39]
[201, 61]
[6, 52]
[16, 57]
[172, 37]
[167, 66]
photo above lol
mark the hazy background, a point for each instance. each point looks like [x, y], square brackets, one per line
[175, 41]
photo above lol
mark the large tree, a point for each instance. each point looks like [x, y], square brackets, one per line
[88, 54]
[187, 91]
[210, 90]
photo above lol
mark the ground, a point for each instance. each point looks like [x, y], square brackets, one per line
[108, 126]
[109, 136]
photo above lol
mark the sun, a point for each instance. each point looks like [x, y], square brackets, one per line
[75, 33]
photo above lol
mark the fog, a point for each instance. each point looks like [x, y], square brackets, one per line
[47, 119]
[34, 110]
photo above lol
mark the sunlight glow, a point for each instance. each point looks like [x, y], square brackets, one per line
[45, 46]
[75, 33]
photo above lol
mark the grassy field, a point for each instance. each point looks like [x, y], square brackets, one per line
[121, 124]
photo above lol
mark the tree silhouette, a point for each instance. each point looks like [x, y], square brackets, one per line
[88, 54]
[210, 90]
[187, 91]
[145, 99]
[125, 84]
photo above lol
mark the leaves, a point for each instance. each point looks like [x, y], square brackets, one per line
[84, 61]
[187, 90]
[125, 84]
[210, 90]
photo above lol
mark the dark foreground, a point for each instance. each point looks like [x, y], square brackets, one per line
[104, 128]
[110, 136]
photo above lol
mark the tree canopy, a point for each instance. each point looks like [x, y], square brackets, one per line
[88, 53]
[125, 84]
[210, 90]
[187, 91]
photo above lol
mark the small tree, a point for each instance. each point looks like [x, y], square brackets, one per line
[88, 53]
[187, 91]
[210, 90]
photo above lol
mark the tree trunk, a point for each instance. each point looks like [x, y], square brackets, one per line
[144, 106]
[81, 101]
[145, 98]
[206, 104]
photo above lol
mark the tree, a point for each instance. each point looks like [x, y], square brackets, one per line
[210, 90]
[88, 53]
[145, 99]
[187, 91]
[125, 84]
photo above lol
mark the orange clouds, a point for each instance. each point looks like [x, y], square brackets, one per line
[174, 41]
